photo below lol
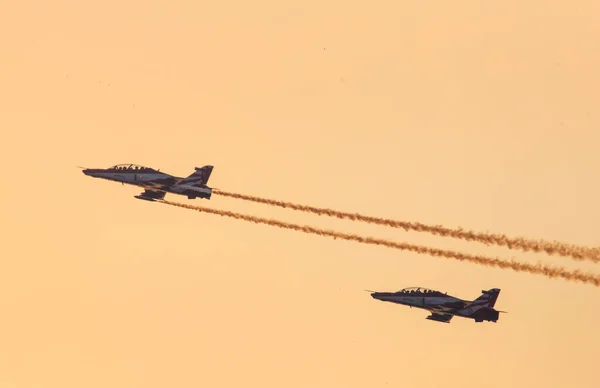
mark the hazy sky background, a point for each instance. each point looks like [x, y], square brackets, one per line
[466, 114]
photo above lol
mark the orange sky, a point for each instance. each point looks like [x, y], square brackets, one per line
[461, 114]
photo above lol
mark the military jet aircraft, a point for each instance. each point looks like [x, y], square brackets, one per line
[443, 306]
[156, 183]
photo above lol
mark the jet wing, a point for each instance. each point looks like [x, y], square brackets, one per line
[154, 186]
[447, 307]
[151, 195]
[440, 317]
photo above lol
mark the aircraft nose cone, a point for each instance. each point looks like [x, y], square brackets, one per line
[375, 295]
[86, 171]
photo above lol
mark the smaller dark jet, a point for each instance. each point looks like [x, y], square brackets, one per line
[443, 306]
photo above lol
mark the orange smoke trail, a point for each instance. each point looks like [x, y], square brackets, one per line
[551, 272]
[551, 248]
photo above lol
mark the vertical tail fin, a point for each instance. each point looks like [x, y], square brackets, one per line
[487, 299]
[199, 177]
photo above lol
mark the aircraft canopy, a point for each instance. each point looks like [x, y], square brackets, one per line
[419, 291]
[130, 166]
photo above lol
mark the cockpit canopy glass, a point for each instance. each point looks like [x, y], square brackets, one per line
[419, 291]
[131, 167]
